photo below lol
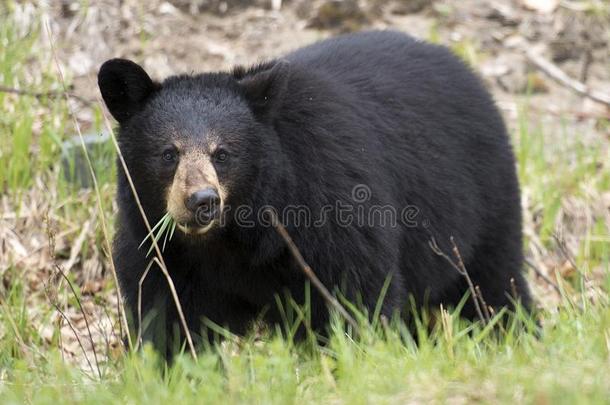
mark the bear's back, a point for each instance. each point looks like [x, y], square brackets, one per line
[409, 119]
[382, 61]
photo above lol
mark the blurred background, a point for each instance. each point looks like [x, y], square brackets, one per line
[184, 36]
[547, 62]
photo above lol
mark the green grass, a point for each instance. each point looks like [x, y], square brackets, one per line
[570, 363]
[164, 229]
[561, 172]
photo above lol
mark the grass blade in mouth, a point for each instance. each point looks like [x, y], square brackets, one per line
[166, 225]
[169, 233]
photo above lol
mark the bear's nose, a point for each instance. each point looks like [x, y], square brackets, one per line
[203, 202]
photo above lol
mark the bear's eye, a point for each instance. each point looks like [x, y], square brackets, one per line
[221, 156]
[169, 155]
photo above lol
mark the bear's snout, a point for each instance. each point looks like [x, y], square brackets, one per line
[195, 198]
[204, 204]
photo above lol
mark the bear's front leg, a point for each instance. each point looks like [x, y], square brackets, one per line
[149, 305]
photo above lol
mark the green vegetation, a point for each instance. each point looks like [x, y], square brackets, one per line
[569, 364]
[164, 229]
[564, 177]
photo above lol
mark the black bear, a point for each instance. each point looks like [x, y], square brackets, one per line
[368, 146]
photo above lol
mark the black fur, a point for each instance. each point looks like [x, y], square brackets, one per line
[381, 109]
[125, 86]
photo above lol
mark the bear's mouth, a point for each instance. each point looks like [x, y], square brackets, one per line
[194, 228]
[201, 222]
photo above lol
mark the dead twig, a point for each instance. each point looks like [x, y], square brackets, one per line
[82, 310]
[586, 64]
[51, 296]
[567, 255]
[461, 268]
[43, 94]
[51, 245]
[483, 303]
[112, 327]
[75, 333]
[140, 283]
[77, 245]
[309, 273]
[543, 276]
[555, 73]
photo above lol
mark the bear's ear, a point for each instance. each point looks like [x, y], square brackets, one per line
[125, 86]
[265, 89]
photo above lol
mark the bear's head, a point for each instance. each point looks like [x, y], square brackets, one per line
[194, 144]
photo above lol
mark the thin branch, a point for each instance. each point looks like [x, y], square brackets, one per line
[296, 254]
[543, 276]
[80, 343]
[104, 334]
[82, 310]
[113, 325]
[566, 254]
[483, 303]
[77, 245]
[555, 73]
[43, 94]
[51, 245]
[461, 269]
[140, 283]
[50, 297]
